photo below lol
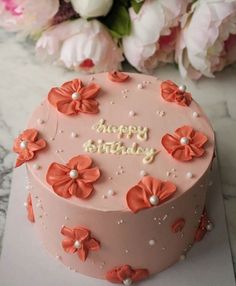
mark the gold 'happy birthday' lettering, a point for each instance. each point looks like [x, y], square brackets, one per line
[119, 148]
[122, 130]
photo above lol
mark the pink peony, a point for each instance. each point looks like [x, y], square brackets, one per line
[82, 45]
[154, 33]
[207, 42]
[27, 15]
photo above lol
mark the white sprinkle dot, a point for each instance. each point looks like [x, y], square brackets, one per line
[195, 114]
[74, 134]
[36, 166]
[66, 218]
[104, 196]
[162, 113]
[143, 173]
[167, 173]
[40, 121]
[61, 131]
[38, 205]
[151, 242]
[58, 257]
[189, 175]
[131, 113]
[110, 192]
[126, 251]
[140, 86]
[112, 102]
[25, 204]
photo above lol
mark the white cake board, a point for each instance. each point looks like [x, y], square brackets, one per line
[25, 261]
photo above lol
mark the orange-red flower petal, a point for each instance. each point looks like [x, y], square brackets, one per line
[178, 225]
[117, 76]
[121, 273]
[62, 98]
[33, 145]
[185, 152]
[138, 197]
[83, 236]
[29, 207]
[171, 93]
[58, 176]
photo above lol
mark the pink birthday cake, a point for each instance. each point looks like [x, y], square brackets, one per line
[118, 166]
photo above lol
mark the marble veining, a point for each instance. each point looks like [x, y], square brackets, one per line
[25, 81]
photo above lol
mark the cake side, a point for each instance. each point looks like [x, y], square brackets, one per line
[118, 167]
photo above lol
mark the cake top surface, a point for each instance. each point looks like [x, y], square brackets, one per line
[125, 130]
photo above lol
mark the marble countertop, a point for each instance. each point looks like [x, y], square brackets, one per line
[25, 81]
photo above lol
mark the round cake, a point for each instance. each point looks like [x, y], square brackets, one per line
[118, 167]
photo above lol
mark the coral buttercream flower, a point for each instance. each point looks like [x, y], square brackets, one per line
[92, 8]
[72, 97]
[149, 192]
[174, 93]
[26, 15]
[185, 144]
[29, 208]
[178, 225]
[76, 178]
[154, 33]
[81, 45]
[204, 226]
[207, 42]
[117, 76]
[26, 145]
[126, 274]
[79, 240]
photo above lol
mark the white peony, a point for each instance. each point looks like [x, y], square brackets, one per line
[154, 32]
[81, 45]
[92, 8]
[207, 41]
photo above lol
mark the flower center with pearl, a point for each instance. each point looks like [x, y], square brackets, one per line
[23, 144]
[184, 140]
[75, 95]
[127, 281]
[77, 244]
[154, 200]
[73, 174]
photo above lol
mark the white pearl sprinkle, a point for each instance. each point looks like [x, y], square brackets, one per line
[112, 102]
[182, 257]
[36, 166]
[127, 282]
[184, 140]
[104, 196]
[25, 204]
[58, 257]
[73, 174]
[38, 205]
[77, 244]
[209, 226]
[66, 218]
[110, 192]
[40, 121]
[195, 114]
[162, 113]
[143, 173]
[182, 88]
[75, 95]
[154, 200]
[74, 134]
[131, 113]
[140, 86]
[23, 144]
[167, 173]
[189, 175]
[151, 242]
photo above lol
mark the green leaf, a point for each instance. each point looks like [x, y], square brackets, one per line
[118, 20]
[136, 5]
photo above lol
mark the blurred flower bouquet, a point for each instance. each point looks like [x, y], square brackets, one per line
[97, 35]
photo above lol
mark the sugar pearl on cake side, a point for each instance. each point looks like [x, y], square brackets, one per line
[23, 144]
[127, 282]
[77, 244]
[195, 114]
[151, 242]
[40, 121]
[189, 175]
[140, 86]
[74, 134]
